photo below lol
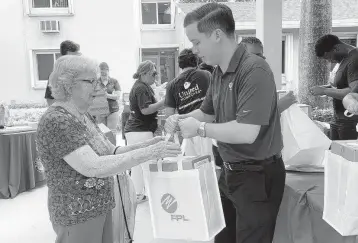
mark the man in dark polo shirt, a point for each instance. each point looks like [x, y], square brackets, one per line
[242, 100]
[66, 48]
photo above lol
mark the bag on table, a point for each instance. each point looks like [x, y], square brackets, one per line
[304, 143]
[184, 199]
[341, 187]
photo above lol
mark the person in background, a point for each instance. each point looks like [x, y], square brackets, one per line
[66, 48]
[79, 160]
[113, 93]
[142, 122]
[332, 49]
[242, 100]
[254, 46]
[185, 94]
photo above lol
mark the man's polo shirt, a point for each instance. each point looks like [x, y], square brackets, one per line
[246, 92]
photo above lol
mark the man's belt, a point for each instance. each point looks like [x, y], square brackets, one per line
[251, 165]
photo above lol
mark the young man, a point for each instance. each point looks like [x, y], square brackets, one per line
[186, 94]
[254, 46]
[66, 48]
[242, 100]
[332, 49]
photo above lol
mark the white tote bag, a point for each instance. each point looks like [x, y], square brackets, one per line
[304, 143]
[184, 199]
[198, 146]
[340, 194]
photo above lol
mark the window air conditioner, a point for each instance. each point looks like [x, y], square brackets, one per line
[50, 26]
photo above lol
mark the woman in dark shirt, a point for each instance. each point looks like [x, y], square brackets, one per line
[142, 122]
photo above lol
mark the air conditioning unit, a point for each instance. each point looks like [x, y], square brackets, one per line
[50, 26]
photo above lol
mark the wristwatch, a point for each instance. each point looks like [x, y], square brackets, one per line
[201, 130]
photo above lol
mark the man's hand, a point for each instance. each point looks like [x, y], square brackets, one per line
[189, 127]
[171, 124]
[286, 101]
[350, 102]
[318, 90]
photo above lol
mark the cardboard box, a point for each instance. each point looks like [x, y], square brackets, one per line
[347, 149]
[189, 163]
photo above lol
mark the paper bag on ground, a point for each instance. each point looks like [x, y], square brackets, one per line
[184, 199]
[341, 187]
[304, 143]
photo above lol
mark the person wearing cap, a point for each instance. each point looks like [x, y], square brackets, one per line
[142, 122]
[242, 100]
[67, 47]
[113, 92]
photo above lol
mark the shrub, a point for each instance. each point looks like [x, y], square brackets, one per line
[322, 115]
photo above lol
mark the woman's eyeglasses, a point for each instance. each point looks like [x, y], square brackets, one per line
[154, 73]
[94, 82]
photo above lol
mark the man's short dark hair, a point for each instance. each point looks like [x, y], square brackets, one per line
[68, 46]
[251, 40]
[188, 59]
[212, 16]
[326, 44]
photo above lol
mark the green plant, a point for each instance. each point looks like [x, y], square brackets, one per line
[322, 115]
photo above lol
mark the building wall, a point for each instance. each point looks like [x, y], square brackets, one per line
[105, 33]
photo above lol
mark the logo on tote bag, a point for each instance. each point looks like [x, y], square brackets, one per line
[170, 205]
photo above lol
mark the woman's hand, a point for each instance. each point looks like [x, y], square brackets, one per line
[172, 124]
[154, 140]
[164, 149]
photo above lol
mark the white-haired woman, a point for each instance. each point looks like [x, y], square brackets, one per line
[79, 161]
[142, 122]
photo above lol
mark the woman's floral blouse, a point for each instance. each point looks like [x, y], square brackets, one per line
[72, 197]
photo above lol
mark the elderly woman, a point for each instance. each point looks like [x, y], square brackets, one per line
[79, 160]
[113, 90]
[142, 122]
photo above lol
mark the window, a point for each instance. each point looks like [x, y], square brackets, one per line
[283, 56]
[165, 60]
[350, 41]
[49, 7]
[156, 14]
[42, 66]
[50, 3]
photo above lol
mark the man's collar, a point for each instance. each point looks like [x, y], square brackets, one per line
[236, 58]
